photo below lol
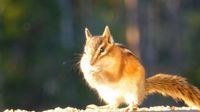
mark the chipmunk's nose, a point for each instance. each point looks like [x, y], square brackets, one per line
[92, 62]
[92, 57]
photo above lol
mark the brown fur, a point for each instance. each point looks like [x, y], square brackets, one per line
[119, 77]
[175, 86]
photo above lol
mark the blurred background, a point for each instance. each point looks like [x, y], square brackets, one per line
[41, 42]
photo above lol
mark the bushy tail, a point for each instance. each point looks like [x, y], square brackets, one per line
[175, 86]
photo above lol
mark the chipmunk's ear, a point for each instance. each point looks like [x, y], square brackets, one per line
[87, 34]
[107, 36]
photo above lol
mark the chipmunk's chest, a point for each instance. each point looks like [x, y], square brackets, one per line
[88, 70]
[97, 74]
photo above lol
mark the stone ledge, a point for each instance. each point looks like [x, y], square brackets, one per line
[144, 109]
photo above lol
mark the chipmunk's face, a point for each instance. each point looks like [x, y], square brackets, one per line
[97, 47]
[96, 51]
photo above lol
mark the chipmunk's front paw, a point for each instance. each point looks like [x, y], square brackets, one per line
[91, 106]
[107, 107]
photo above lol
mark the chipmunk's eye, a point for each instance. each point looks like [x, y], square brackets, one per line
[101, 49]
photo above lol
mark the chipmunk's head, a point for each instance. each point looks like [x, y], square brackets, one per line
[101, 59]
[97, 47]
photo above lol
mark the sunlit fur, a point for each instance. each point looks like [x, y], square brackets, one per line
[175, 86]
[115, 73]
[118, 76]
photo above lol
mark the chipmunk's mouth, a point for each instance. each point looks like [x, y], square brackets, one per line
[93, 70]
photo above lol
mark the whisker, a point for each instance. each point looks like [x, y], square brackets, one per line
[75, 65]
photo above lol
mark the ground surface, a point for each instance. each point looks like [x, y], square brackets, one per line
[150, 109]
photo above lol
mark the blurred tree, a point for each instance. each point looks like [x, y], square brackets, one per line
[40, 40]
[66, 24]
[132, 30]
[150, 34]
[86, 12]
[173, 34]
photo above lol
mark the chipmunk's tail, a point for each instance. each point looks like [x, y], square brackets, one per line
[175, 86]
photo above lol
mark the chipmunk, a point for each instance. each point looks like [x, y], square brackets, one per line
[119, 77]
